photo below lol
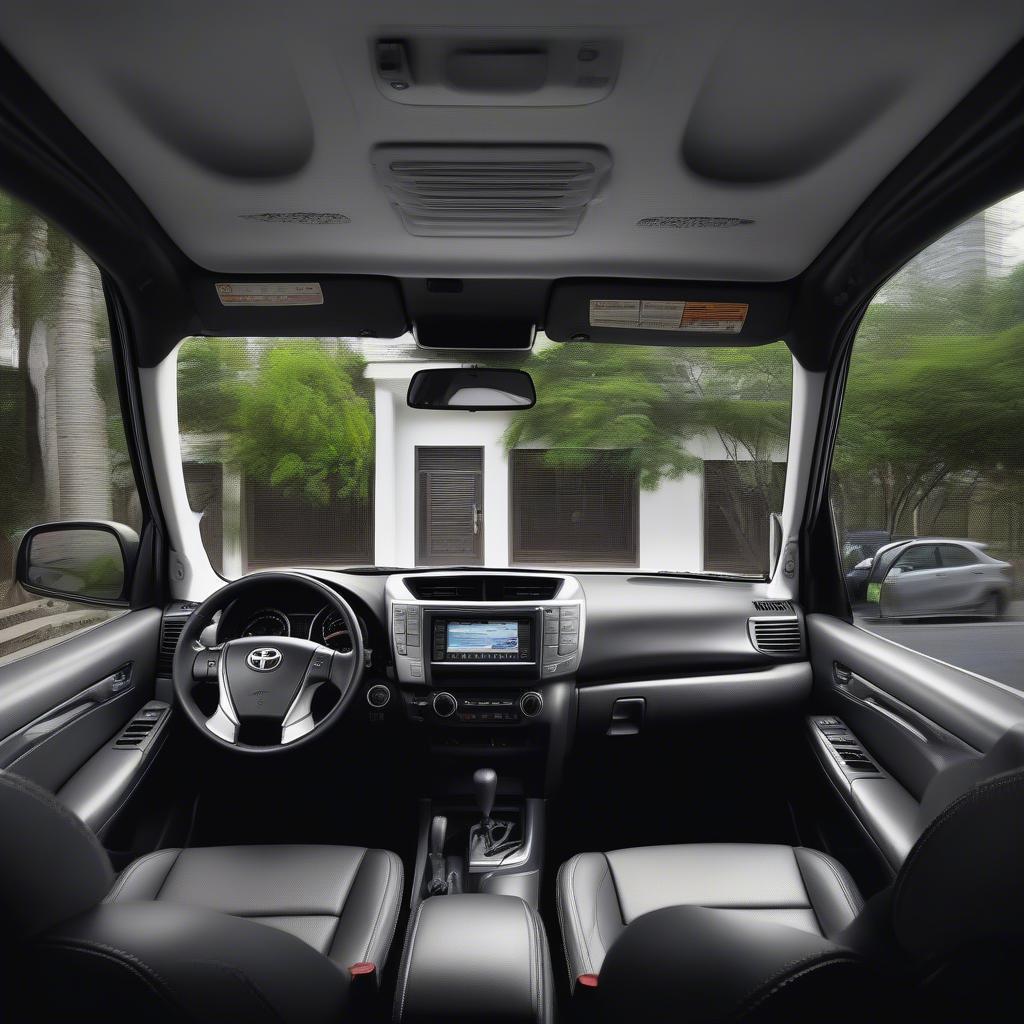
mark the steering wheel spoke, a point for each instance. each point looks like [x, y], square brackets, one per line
[223, 723]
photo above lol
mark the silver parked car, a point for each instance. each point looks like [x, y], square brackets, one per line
[934, 576]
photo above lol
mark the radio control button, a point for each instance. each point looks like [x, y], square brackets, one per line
[567, 647]
[416, 669]
[400, 645]
[413, 639]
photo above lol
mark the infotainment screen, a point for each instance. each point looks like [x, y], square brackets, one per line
[505, 638]
[492, 637]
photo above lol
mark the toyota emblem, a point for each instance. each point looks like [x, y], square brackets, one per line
[263, 659]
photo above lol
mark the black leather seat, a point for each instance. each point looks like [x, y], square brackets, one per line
[599, 894]
[259, 932]
[341, 900]
[710, 933]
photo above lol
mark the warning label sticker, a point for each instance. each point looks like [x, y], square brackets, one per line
[252, 293]
[669, 315]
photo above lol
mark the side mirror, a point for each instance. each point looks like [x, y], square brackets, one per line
[89, 562]
[471, 390]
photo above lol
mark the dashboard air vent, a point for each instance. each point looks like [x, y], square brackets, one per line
[492, 192]
[777, 636]
[170, 630]
[447, 588]
[524, 590]
[773, 606]
[483, 588]
[135, 732]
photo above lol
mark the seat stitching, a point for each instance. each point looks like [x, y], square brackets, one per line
[380, 908]
[122, 958]
[132, 869]
[407, 966]
[795, 972]
[977, 793]
[574, 906]
[794, 967]
[397, 861]
[839, 879]
[559, 906]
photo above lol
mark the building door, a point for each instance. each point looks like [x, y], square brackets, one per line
[449, 506]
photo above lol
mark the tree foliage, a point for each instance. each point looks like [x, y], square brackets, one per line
[302, 425]
[647, 403]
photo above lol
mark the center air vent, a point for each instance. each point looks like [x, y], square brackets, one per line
[491, 192]
[483, 588]
[780, 636]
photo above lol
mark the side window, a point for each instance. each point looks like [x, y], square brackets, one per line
[954, 555]
[917, 557]
[930, 446]
[64, 449]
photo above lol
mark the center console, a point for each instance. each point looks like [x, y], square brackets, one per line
[486, 662]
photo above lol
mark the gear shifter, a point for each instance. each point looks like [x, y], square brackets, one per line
[485, 785]
[492, 835]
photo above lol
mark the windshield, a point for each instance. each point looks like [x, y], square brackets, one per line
[305, 452]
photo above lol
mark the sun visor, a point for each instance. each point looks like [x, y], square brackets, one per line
[676, 313]
[290, 306]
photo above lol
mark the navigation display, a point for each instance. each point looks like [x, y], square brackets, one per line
[494, 637]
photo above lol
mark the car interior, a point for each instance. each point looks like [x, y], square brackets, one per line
[505, 516]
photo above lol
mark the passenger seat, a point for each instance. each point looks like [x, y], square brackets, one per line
[599, 894]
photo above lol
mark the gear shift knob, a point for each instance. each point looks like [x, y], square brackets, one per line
[485, 785]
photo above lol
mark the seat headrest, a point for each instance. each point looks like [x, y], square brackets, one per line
[51, 865]
[963, 882]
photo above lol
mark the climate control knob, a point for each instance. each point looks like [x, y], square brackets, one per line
[531, 704]
[444, 705]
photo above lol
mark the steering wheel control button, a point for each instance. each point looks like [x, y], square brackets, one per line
[378, 696]
[445, 705]
[531, 704]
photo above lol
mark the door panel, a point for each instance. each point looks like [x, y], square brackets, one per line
[58, 707]
[917, 718]
[449, 503]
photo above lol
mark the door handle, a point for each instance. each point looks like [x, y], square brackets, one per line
[841, 674]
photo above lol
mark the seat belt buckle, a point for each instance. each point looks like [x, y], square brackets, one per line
[363, 990]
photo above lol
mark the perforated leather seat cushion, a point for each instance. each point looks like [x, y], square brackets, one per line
[341, 900]
[600, 893]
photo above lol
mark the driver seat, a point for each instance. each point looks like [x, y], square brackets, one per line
[267, 933]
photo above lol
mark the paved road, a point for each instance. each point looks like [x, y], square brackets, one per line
[993, 649]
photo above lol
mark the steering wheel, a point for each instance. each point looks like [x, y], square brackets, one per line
[265, 684]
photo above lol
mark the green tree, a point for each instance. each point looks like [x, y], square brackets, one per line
[304, 423]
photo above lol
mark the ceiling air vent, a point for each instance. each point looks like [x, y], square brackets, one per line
[778, 636]
[170, 630]
[491, 191]
[773, 606]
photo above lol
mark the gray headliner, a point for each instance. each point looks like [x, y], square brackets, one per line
[787, 113]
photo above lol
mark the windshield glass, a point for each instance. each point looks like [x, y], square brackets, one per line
[305, 452]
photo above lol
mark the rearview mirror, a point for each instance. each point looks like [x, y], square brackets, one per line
[471, 390]
[89, 562]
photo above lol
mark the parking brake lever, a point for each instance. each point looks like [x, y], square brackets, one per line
[438, 885]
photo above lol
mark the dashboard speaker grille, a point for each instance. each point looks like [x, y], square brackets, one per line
[492, 192]
[780, 636]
